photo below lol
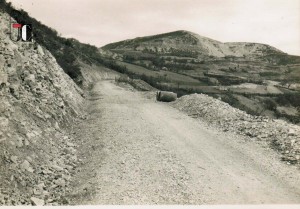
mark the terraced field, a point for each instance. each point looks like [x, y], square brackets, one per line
[171, 77]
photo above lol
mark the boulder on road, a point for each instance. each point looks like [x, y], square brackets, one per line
[166, 96]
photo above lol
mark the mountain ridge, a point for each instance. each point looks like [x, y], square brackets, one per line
[188, 41]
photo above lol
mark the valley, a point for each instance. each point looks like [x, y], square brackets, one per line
[256, 78]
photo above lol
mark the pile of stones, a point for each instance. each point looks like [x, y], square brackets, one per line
[281, 135]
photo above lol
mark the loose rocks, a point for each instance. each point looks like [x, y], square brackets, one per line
[282, 136]
[37, 99]
[37, 201]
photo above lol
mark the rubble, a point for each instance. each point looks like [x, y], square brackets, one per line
[37, 201]
[281, 135]
[37, 101]
[25, 166]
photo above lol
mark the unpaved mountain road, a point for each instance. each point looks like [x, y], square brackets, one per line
[139, 151]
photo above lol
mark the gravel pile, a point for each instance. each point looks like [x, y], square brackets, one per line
[282, 136]
[38, 105]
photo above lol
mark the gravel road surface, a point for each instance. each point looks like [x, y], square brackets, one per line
[139, 151]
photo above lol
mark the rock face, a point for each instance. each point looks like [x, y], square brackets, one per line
[37, 101]
[282, 136]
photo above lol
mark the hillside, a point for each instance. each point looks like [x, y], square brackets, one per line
[190, 43]
[39, 103]
[67, 51]
[257, 78]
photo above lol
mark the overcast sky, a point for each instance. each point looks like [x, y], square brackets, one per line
[99, 22]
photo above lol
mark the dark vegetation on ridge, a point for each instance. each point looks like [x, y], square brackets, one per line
[65, 50]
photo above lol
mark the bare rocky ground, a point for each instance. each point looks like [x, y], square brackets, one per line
[38, 104]
[284, 137]
[139, 151]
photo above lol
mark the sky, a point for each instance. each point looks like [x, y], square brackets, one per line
[99, 22]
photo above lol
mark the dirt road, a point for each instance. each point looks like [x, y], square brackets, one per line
[138, 151]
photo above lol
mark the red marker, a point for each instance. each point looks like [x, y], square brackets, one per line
[16, 25]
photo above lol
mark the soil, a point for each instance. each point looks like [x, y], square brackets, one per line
[135, 150]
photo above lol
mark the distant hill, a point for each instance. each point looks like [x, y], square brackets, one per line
[193, 44]
[257, 78]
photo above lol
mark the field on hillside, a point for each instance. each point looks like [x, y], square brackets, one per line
[255, 96]
[170, 77]
[260, 81]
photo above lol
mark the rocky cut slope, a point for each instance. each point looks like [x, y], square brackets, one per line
[38, 104]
